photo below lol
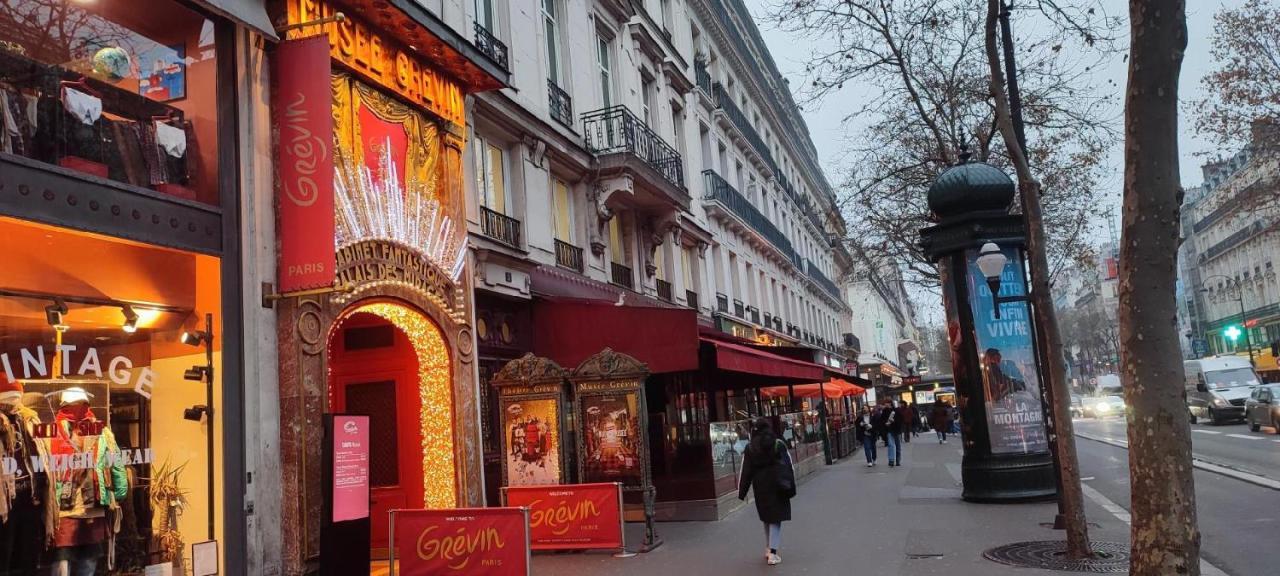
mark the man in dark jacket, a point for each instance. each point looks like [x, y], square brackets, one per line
[891, 424]
[907, 420]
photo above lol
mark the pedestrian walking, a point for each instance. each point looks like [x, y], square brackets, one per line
[891, 426]
[867, 433]
[767, 472]
[940, 420]
[907, 420]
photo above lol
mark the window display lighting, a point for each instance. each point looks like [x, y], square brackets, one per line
[130, 319]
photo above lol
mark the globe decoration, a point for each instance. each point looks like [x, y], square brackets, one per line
[112, 63]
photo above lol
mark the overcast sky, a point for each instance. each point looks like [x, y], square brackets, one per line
[829, 131]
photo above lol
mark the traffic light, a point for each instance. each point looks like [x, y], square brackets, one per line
[1232, 333]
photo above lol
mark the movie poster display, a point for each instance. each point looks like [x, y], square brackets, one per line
[532, 429]
[1015, 415]
[611, 438]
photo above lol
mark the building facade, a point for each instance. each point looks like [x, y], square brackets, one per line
[884, 329]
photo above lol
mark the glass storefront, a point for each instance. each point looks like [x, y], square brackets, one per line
[108, 364]
[112, 90]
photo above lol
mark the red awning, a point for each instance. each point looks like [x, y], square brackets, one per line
[570, 331]
[745, 359]
[835, 388]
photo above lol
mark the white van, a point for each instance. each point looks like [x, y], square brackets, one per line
[1218, 386]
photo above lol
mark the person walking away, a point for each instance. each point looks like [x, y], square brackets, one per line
[907, 419]
[889, 426]
[867, 434]
[940, 420]
[766, 471]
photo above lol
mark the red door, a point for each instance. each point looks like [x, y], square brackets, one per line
[374, 372]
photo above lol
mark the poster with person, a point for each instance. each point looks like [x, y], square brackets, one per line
[1015, 414]
[612, 438]
[533, 442]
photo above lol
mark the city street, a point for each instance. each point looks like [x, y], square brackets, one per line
[1237, 519]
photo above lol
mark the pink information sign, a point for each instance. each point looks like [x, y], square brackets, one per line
[350, 467]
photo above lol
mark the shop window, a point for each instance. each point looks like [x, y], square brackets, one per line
[105, 89]
[106, 348]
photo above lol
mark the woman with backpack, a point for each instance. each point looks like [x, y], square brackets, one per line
[766, 470]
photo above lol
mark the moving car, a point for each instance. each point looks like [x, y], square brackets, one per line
[1218, 386]
[1103, 406]
[1077, 406]
[1263, 408]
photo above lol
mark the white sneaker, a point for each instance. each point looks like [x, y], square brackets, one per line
[774, 559]
[870, 464]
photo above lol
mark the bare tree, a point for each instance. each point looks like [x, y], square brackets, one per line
[1164, 535]
[1245, 84]
[925, 60]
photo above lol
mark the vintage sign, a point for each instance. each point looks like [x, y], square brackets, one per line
[470, 541]
[350, 467]
[571, 517]
[371, 261]
[383, 60]
[301, 104]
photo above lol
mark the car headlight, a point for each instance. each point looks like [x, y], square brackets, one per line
[1103, 407]
[1219, 401]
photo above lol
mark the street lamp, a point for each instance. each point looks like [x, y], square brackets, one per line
[1244, 321]
[991, 261]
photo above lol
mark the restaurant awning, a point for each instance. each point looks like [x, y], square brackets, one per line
[835, 388]
[744, 359]
[571, 330]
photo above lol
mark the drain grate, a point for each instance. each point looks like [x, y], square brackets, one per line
[1109, 557]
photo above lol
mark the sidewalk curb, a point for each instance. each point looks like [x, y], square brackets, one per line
[1206, 568]
[1200, 463]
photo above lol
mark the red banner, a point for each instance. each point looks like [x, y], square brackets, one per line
[572, 516]
[470, 541]
[303, 117]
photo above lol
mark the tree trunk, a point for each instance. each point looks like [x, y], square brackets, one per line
[1164, 536]
[1042, 306]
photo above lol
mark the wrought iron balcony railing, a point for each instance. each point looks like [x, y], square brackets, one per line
[691, 299]
[621, 275]
[817, 276]
[739, 309]
[719, 190]
[616, 130]
[500, 227]
[568, 256]
[702, 75]
[491, 47]
[724, 101]
[755, 314]
[722, 302]
[664, 290]
[561, 104]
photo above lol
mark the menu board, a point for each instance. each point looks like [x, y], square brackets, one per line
[350, 467]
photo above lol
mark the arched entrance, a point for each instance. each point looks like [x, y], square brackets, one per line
[390, 362]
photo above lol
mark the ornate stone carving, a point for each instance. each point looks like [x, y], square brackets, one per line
[610, 365]
[530, 369]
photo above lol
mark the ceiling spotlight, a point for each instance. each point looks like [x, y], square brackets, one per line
[130, 319]
[195, 413]
[195, 373]
[54, 313]
[194, 337]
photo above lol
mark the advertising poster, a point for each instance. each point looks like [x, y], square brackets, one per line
[533, 442]
[162, 73]
[571, 517]
[470, 541]
[611, 436]
[350, 468]
[1015, 416]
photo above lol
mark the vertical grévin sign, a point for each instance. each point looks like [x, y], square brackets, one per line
[303, 138]
[1010, 380]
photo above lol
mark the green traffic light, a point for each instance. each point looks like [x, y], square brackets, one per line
[1232, 332]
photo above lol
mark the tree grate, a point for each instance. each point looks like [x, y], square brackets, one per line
[1108, 558]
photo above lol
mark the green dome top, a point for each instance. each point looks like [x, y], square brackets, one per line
[970, 187]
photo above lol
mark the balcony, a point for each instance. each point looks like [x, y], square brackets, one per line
[720, 194]
[755, 314]
[691, 299]
[722, 303]
[622, 140]
[1232, 241]
[702, 75]
[568, 256]
[738, 119]
[500, 227]
[491, 47]
[777, 323]
[561, 105]
[621, 275]
[739, 309]
[664, 291]
[821, 280]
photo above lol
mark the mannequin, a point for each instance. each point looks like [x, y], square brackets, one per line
[87, 497]
[26, 495]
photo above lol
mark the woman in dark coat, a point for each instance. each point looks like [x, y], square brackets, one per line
[762, 468]
[940, 420]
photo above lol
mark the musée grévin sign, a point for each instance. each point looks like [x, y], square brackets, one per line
[383, 60]
[371, 261]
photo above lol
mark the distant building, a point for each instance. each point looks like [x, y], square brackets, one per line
[884, 325]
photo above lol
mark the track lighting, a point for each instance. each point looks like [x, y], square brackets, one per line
[195, 373]
[194, 337]
[54, 313]
[130, 319]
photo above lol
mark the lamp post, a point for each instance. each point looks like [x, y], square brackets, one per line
[1239, 298]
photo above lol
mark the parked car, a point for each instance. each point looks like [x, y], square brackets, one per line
[1217, 387]
[1102, 406]
[1263, 408]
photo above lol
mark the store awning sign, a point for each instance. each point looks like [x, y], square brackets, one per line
[470, 541]
[573, 516]
[301, 104]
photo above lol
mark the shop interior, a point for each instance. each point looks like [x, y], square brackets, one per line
[125, 324]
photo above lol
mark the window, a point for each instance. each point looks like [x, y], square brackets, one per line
[660, 262]
[563, 214]
[666, 16]
[646, 100]
[551, 29]
[491, 190]
[604, 62]
[617, 249]
[677, 129]
[687, 264]
[486, 16]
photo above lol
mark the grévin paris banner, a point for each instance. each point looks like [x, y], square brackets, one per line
[1010, 381]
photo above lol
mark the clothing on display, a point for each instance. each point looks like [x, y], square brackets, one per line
[27, 514]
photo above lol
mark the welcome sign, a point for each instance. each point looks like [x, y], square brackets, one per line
[470, 541]
[571, 517]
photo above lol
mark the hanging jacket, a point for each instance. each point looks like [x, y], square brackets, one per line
[28, 419]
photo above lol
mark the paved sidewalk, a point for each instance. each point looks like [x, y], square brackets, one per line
[853, 520]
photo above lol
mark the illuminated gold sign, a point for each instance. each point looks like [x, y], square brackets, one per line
[383, 60]
[526, 390]
[373, 261]
[609, 385]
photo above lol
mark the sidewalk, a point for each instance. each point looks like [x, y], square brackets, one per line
[850, 519]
